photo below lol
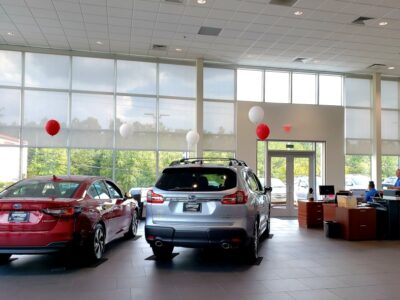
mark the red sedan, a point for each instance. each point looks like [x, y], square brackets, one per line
[49, 213]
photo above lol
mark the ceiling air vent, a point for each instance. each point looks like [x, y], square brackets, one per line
[175, 1]
[159, 47]
[213, 31]
[376, 66]
[361, 20]
[283, 2]
[300, 59]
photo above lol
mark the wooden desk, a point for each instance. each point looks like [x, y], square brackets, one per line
[357, 223]
[310, 213]
[329, 211]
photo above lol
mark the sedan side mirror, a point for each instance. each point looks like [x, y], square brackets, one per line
[267, 189]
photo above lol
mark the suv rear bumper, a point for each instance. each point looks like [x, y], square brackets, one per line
[210, 237]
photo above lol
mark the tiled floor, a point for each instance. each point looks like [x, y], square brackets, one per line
[297, 264]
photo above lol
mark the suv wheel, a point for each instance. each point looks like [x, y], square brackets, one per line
[163, 252]
[4, 258]
[252, 248]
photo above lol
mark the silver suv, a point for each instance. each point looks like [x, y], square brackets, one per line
[199, 203]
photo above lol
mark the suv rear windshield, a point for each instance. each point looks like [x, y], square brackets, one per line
[197, 179]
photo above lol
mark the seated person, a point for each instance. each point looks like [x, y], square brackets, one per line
[371, 193]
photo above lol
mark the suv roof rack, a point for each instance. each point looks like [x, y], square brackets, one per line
[201, 160]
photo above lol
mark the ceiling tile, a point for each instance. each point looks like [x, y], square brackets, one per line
[94, 9]
[120, 3]
[119, 12]
[17, 10]
[44, 13]
[46, 4]
[67, 6]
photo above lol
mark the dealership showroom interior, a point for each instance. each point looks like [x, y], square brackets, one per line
[199, 149]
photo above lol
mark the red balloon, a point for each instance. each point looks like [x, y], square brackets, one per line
[262, 131]
[287, 127]
[52, 127]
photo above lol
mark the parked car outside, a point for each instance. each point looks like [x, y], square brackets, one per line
[47, 214]
[278, 192]
[184, 209]
[388, 182]
[356, 182]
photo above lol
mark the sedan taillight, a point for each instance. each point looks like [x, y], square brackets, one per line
[154, 198]
[239, 197]
[62, 211]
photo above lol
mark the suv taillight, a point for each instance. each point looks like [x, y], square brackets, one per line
[239, 197]
[154, 198]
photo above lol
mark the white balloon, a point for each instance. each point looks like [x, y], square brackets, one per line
[192, 137]
[125, 130]
[256, 114]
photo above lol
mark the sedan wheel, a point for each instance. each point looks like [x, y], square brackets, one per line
[98, 243]
[133, 228]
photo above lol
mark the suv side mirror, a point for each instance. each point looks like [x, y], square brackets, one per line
[128, 195]
[267, 189]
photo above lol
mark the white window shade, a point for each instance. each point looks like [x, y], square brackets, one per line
[390, 147]
[10, 68]
[330, 90]
[140, 114]
[92, 121]
[219, 84]
[176, 118]
[390, 94]
[219, 126]
[390, 125]
[47, 71]
[249, 85]
[39, 107]
[304, 88]
[10, 103]
[277, 87]
[136, 77]
[178, 81]
[358, 92]
[358, 131]
[93, 74]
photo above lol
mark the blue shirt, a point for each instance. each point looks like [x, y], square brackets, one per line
[397, 182]
[370, 194]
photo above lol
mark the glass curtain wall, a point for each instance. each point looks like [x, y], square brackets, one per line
[92, 98]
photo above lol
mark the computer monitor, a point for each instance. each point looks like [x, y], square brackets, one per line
[326, 190]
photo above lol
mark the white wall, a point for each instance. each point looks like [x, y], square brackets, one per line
[309, 123]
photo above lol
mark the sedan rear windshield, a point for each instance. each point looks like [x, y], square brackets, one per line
[40, 189]
[197, 179]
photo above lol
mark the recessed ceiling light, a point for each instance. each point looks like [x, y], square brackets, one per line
[384, 23]
[99, 43]
[391, 68]
[201, 1]
[178, 50]
[316, 61]
[10, 33]
[298, 13]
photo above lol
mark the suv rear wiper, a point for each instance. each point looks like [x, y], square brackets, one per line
[181, 189]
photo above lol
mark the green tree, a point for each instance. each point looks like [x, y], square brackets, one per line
[46, 161]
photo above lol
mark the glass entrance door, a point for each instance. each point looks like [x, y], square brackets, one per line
[290, 174]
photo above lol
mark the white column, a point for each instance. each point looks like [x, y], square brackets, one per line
[199, 105]
[376, 163]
